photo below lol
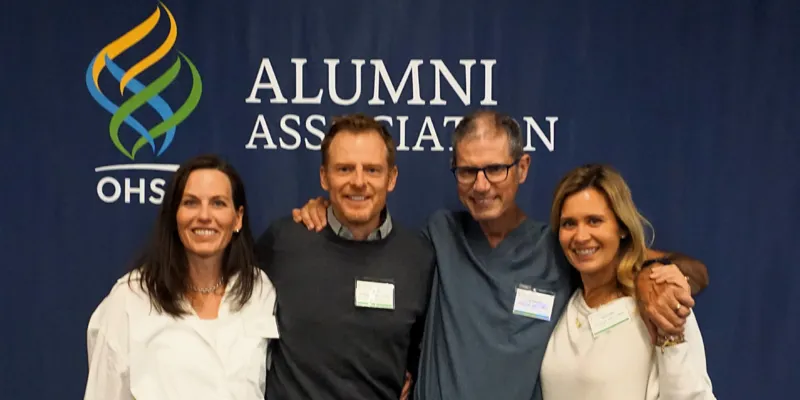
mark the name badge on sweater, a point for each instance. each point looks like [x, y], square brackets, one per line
[371, 294]
[534, 303]
[607, 318]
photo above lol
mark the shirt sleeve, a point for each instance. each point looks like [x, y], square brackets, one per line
[415, 347]
[680, 372]
[106, 341]
[418, 329]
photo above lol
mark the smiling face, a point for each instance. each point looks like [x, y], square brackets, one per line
[589, 232]
[206, 215]
[491, 194]
[358, 177]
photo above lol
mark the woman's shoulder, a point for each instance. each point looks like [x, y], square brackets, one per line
[124, 293]
[263, 296]
[127, 289]
[264, 284]
[128, 284]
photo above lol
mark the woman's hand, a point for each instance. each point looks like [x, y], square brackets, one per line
[670, 274]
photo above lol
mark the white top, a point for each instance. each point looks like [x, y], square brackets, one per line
[137, 353]
[620, 363]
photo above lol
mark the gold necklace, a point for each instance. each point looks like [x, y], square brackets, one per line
[207, 290]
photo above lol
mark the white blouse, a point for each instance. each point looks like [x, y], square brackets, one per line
[620, 363]
[137, 353]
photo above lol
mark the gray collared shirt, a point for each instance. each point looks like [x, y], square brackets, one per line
[342, 231]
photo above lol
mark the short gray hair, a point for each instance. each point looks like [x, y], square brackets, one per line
[468, 125]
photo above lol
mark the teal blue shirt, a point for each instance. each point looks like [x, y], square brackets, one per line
[474, 347]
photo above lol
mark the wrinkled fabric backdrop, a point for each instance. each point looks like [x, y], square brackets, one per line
[695, 103]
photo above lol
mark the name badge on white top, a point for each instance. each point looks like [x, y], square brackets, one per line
[371, 294]
[607, 318]
[534, 303]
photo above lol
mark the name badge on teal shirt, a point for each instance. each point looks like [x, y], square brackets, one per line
[534, 303]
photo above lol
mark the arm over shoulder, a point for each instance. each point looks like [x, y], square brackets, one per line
[694, 269]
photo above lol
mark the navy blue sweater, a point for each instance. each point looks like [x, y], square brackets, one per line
[328, 347]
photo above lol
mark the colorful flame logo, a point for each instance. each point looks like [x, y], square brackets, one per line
[149, 94]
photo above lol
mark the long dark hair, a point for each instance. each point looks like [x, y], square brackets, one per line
[164, 267]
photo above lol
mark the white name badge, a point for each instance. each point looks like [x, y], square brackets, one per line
[607, 318]
[372, 294]
[534, 303]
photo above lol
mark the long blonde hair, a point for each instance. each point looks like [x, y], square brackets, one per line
[609, 182]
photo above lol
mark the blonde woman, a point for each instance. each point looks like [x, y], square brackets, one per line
[600, 349]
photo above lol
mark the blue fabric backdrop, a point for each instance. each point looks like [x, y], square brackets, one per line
[695, 102]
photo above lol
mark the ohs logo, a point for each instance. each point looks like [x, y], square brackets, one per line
[134, 95]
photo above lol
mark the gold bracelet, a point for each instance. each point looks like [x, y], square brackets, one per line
[669, 341]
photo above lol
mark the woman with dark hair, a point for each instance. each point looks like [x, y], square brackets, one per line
[194, 317]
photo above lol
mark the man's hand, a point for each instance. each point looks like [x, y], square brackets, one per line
[313, 215]
[406, 388]
[664, 306]
[693, 268]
